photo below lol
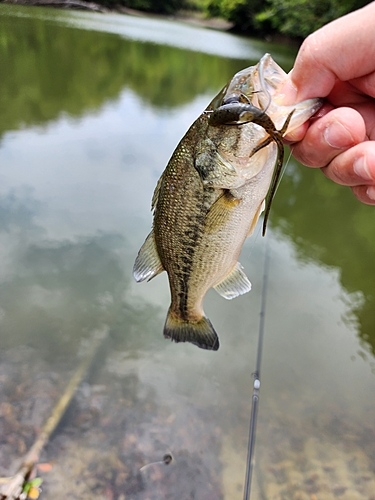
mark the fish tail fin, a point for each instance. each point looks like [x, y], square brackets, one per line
[200, 333]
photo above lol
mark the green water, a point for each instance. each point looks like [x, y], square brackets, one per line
[91, 108]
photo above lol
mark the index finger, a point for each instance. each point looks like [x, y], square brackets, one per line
[341, 50]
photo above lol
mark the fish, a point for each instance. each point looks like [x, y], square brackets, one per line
[211, 194]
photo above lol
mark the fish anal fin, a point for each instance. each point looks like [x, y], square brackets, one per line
[147, 264]
[256, 217]
[234, 284]
[200, 333]
[220, 212]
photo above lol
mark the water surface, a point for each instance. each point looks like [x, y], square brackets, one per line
[91, 109]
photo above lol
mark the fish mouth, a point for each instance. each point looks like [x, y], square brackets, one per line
[245, 86]
[259, 86]
[253, 85]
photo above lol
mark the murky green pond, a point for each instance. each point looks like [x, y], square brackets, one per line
[91, 108]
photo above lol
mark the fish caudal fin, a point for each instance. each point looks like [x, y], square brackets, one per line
[200, 333]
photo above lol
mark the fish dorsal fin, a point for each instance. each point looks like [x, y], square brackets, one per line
[234, 284]
[155, 196]
[147, 264]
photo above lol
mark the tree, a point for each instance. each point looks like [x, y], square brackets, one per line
[299, 18]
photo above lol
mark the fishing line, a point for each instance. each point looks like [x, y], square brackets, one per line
[286, 163]
[263, 83]
[256, 375]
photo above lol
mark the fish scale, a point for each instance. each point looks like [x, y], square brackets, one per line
[178, 232]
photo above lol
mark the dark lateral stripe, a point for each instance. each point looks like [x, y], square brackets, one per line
[192, 235]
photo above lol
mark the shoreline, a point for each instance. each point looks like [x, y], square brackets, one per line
[188, 17]
[193, 18]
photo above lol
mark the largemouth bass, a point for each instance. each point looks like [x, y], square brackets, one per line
[210, 196]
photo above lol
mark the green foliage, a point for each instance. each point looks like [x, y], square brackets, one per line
[31, 488]
[159, 6]
[299, 18]
[239, 12]
[293, 18]
[156, 6]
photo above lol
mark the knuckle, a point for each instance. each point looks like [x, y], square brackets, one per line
[305, 156]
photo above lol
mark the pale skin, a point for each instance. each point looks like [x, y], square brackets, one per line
[337, 62]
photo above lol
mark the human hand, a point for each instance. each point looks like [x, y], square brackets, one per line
[338, 62]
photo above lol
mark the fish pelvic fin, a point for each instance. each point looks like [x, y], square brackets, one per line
[254, 222]
[147, 264]
[234, 284]
[200, 333]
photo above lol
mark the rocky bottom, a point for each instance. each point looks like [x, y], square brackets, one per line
[112, 440]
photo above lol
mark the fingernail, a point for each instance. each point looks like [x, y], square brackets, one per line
[371, 192]
[360, 167]
[337, 136]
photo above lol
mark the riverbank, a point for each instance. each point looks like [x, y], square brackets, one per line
[189, 17]
[193, 18]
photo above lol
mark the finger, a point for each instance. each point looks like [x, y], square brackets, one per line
[349, 94]
[352, 92]
[365, 194]
[354, 167]
[299, 133]
[366, 84]
[330, 54]
[329, 136]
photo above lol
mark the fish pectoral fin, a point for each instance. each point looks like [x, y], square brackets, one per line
[147, 264]
[220, 211]
[234, 284]
[256, 218]
[200, 333]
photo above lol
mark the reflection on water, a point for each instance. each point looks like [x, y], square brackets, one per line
[329, 225]
[159, 32]
[53, 70]
[90, 119]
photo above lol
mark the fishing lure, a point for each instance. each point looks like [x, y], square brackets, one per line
[234, 112]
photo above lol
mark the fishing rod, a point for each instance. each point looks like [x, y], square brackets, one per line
[256, 375]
